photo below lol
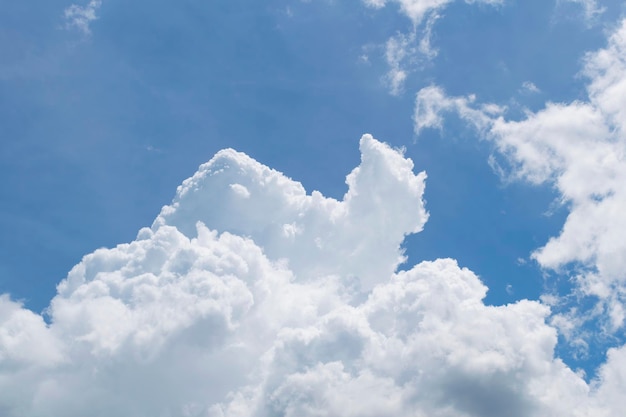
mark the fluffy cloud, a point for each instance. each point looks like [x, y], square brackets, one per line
[578, 148]
[358, 237]
[249, 297]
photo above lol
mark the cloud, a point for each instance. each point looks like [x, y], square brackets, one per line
[417, 10]
[578, 148]
[397, 49]
[529, 87]
[189, 321]
[313, 233]
[432, 103]
[80, 17]
[590, 8]
[404, 51]
[216, 310]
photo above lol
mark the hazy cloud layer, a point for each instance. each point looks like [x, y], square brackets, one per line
[248, 297]
[580, 149]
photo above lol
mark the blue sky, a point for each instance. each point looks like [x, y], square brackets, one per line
[102, 118]
[99, 128]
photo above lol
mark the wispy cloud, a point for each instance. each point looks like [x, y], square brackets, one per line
[591, 8]
[529, 87]
[404, 52]
[80, 17]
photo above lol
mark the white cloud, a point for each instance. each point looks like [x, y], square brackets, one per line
[80, 17]
[417, 10]
[425, 46]
[397, 49]
[191, 321]
[24, 338]
[363, 228]
[579, 148]
[404, 51]
[529, 87]
[432, 102]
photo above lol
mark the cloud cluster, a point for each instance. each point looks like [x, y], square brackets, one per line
[580, 149]
[249, 297]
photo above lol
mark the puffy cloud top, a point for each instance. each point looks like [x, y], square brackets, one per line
[358, 237]
[248, 297]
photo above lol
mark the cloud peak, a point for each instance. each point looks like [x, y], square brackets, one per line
[318, 235]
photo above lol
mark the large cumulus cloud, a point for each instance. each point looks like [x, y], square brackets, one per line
[249, 297]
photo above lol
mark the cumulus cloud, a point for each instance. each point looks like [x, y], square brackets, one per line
[432, 103]
[250, 297]
[80, 17]
[578, 148]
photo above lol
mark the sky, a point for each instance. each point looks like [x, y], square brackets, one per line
[312, 208]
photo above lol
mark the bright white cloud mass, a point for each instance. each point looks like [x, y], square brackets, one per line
[249, 296]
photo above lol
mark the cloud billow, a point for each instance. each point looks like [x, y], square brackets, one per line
[250, 297]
